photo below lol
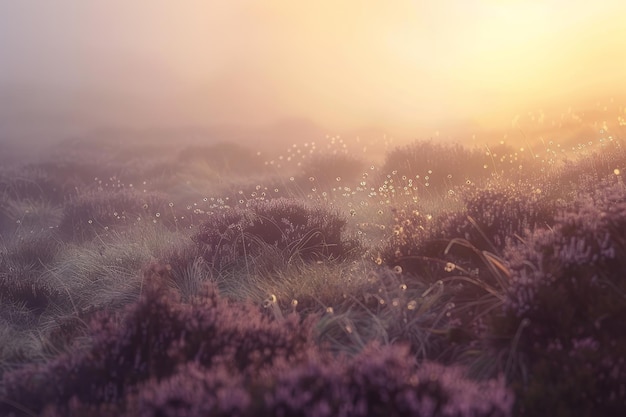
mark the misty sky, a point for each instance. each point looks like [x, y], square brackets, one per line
[340, 63]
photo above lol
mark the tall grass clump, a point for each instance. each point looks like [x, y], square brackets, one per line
[95, 212]
[390, 307]
[23, 262]
[297, 230]
[30, 198]
[434, 166]
[34, 183]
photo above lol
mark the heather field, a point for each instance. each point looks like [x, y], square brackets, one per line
[327, 278]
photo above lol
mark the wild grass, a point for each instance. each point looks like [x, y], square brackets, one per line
[447, 252]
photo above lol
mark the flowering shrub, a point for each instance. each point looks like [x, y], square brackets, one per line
[289, 225]
[501, 211]
[211, 356]
[560, 284]
[383, 382]
[565, 309]
[158, 334]
[492, 214]
[514, 278]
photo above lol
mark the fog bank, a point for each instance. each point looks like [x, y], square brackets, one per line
[411, 67]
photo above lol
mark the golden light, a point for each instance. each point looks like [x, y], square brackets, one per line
[345, 64]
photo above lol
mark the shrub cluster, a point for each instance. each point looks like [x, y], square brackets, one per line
[523, 284]
[547, 312]
[500, 211]
[567, 304]
[288, 225]
[213, 357]
[491, 216]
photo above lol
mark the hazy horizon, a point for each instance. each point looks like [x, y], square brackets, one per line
[409, 67]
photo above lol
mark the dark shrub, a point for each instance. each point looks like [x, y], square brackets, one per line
[463, 249]
[501, 211]
[492, 215]
[378, 382]
[565, 310]
[383, 382]
[289, 225]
